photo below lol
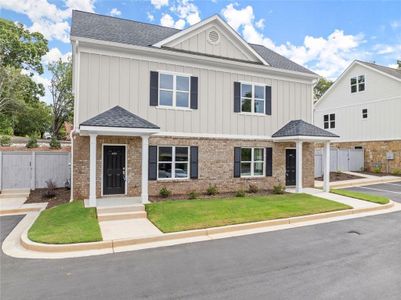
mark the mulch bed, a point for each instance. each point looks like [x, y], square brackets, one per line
[339, 176]
[62, 196]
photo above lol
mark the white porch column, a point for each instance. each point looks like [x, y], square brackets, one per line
[298, 187]
[145, 158]
[92, 170]
[326, 175]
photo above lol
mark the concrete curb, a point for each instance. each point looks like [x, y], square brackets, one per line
[26, 208]
[113, 244]
[361, 182]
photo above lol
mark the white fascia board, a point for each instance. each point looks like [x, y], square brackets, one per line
[218, 19]
[119, 131]
[213, 136]
[117, 48]
[304, 138]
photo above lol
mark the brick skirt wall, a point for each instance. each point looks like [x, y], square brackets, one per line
[215, 165]
[375, 153]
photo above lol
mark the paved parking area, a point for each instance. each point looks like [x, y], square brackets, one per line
[391, 190]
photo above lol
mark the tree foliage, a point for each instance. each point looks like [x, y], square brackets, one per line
[321, 87]
[61, 91]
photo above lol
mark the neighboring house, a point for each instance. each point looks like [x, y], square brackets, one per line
[158, 107]
[363, 107]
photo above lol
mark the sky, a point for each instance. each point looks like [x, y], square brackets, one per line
[324, 36]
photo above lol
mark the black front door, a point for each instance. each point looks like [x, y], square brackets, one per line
[290, 167]
[114, 170]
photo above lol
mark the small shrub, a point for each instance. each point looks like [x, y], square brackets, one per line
[253, 188]
[240, 193]
[377, 169]
[32, 142]
[164, 192]
[278, 189]
[396, 171]
[54, 143]
[212, 190]
[51, 189]
[193, 195]
[5, 140]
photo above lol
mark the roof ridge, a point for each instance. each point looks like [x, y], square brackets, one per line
[373, 63]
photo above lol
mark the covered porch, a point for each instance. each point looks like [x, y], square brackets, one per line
[116, 122]
[299, 132]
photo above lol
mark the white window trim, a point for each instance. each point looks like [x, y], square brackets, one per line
[252, 112]
[253, 162]
[174, 90]
[357, 84]
[329, 121]
[173, 162]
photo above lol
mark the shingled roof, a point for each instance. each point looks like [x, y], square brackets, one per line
[302, 128]
[119, 117]
[390, 71]
[112, 29]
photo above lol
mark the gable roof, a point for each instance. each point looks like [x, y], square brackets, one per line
[119, 117]
[112, 29]
[387, 71]
[302, 128]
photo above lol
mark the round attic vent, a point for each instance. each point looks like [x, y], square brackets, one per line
[213, 37]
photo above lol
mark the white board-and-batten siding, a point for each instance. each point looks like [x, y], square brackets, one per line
[106, 81]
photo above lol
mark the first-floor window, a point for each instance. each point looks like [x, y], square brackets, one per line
[173, 162]
[252, 161]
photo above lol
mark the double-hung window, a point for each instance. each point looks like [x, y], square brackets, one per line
[173, 162]
[252, 162]
[329, 121]
[358, 84]
[253, 98]
[365, 113]
[174, 90]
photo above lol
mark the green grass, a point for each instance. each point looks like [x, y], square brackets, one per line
[66, 223]
[171, 216]
[361, 196]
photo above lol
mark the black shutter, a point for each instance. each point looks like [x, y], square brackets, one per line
[237, 162]
[152, 166]
[237, 97]
[194, 92]
[154, 88]
[268, 100]
[269, 161]
[194, 162]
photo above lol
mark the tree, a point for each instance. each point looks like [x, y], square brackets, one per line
[20, 48]
[398, 64]
[61, 91]
[321, 87]
[33, 120]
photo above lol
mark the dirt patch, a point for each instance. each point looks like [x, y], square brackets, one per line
[62, 196]
[338, 176]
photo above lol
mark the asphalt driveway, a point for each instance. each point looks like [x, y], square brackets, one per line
[353, 259]
[391, 190]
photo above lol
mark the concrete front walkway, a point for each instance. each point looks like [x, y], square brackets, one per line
[12, 202]
[128, 228]
[367, 179]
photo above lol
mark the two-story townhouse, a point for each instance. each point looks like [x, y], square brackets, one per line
[363, 107]
[184, 109]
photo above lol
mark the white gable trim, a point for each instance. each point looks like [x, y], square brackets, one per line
[355, 62]
[218, 19]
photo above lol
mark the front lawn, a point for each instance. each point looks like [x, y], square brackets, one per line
[171, 216]
[66, 223]
[361, 196]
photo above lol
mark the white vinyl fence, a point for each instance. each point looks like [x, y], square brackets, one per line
[30, 170]
[340, 160]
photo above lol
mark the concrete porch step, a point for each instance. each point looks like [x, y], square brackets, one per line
[121, 215]
[15, 191]
[13, 195]
[120, 208]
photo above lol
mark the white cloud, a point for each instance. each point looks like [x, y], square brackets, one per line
[238, 17]
[394, 66]
[150, 17]
[184, 11]
[159, 3]
[180, 24]
[115, 12]
[46, 17]
[395, 24]
[260, 24]
[167, 20]
[55, 54]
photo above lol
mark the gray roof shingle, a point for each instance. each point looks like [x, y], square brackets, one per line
[106, 28]
[119, 117]
[393, 72]
[302, 128]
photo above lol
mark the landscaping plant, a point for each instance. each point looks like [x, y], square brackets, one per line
[51, 189]
[5, 140]
[193, 195]
[164, 192]
[396, 171]
[54, 143]
[253, 188]
[278, 189]
[212, 190]
[240, 193]
[32, 142]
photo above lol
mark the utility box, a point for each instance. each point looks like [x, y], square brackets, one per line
[390, 155]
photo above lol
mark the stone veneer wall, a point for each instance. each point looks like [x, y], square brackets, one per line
[375, 153]
[215, 163]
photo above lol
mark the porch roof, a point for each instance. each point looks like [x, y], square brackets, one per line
[301, 130]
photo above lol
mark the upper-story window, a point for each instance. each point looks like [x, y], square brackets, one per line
[252, 98]
[174, 90]
[365, 113]
[329, 121]
[358, 84]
